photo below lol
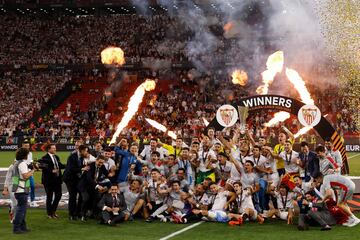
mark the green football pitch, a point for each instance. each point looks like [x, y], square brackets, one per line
[56, 229]
[43, 228]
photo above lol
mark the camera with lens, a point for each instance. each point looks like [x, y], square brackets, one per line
[37, 165]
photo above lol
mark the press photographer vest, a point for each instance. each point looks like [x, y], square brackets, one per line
[16, 180]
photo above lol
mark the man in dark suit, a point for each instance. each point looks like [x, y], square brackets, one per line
[98, 149]
[92, 185]
[72, 175]
[310, 162]
[113, 206]
[314, 212]
[51, 179]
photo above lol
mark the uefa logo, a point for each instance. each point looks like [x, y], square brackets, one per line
[227, 115]
[309, 115]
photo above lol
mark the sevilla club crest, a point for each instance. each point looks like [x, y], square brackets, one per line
[309, 115]
[227, 115]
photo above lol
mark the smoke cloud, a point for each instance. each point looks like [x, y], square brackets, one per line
[258, 28]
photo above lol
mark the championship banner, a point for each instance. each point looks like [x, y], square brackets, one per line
[308, 115]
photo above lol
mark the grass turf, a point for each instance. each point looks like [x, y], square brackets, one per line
[42, 228]
[6, 159]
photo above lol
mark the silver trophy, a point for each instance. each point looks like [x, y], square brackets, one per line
[243, 115]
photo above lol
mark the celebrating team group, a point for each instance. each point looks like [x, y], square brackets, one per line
[232, 179]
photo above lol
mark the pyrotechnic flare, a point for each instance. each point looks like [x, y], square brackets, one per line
[274, 65]
[278, 117]
[289, 133]
[112, 55]
[299, 85]
[228, 26]
[302, 131]
[161, 127]
[206, 122]
[239, 77]
[133, 106]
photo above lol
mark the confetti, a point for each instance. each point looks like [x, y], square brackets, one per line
[340, 24]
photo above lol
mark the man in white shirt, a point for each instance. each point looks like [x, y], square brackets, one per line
[206, 156]
[301, 187]
[224, 169]
[201, 198]
[292, 163]
[153, 199]
[272, 176]
[109, 163]
[333, 153]
[262, 169]
[327, 165]
[345, 189]
[211, 135]
[148, 149]
[134, 199]
[291, 159]
[219, 202]
[244, 206]
[21, 187]
[282, 204]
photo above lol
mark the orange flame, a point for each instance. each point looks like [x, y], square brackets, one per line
[133, 106]
[153, 100]
[228, 26]
[302, 131]
[112, 55]
[149, 84]
[274, 65]
[239, 77]
[299, 85]
[278, 117]
[161, 127]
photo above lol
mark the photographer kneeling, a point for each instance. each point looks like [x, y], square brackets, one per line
[21, 187]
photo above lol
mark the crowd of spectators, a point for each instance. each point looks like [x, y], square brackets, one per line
[178, 108]
[70, 39]
[63, 39]
[24, 94]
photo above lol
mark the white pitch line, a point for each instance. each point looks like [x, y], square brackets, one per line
[354, 156]
[181, 231]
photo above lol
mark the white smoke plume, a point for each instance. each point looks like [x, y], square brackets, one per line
[156, 64]
[258, 29]
[142, 6]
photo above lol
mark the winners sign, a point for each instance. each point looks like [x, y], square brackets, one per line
[308, 115]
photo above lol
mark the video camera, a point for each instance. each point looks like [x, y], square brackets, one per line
[37, 165]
